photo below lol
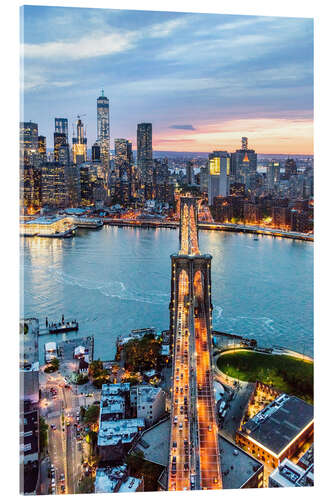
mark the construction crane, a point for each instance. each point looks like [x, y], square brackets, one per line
[78, 116]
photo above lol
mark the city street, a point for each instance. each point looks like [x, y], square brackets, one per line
[60, 406]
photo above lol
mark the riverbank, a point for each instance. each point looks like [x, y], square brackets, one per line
[214, 226]
[285, 373]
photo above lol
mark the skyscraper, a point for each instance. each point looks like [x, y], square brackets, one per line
[218, 177]
[30, 161]
[61, 126]
[42, 145]
[79, 144]
[95, 152]
[103, 131]
[28, 141]
[60, 139]
[290, 168]
[243, 163]
[189, 173]
[53, 185]
[123, 157]
[244, 143]
[273, 174]
[145, 152]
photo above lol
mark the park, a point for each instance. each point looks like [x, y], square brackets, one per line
[287, 374]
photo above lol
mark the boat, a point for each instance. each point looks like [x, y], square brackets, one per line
[63, 327]
[86, 223]
[63, 234]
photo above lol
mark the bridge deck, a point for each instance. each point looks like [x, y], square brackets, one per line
[194, 439]
[179, 466]
[208, 444]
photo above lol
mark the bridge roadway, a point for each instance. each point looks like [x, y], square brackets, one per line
[210, 473]
[189, 234]
[179, 466]
[194, 452]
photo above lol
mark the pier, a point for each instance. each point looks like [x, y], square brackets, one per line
[59, 327]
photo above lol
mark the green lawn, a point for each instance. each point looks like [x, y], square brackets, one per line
[285, 373]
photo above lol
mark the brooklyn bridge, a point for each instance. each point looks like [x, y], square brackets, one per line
[194, 461]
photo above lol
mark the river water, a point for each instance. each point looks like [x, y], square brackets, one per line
[117, 279]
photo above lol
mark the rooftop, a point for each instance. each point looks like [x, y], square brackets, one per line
[147, 394]
[307, 459]
[45, 220]
[131, 484]
[150, 373]
[237, 466]
[50, 346]
[279, 423]
[112, 404]
[154, 443]
[113, 432]
[115, 479]
[165, 350]
[289, 474]
[114, 389]
[75, 211]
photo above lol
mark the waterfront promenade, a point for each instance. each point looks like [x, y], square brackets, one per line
[210, 226]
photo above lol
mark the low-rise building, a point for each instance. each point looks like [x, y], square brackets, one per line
[116, 480]
[115, 437]
[29, 447]
[116, 432]
[149, 402]
[46, 226]
[277, 431]
[239, 469]
[288, 475]
[29, 406]
[50, 351]
[154, 443]
[307, 459]
[114, 402]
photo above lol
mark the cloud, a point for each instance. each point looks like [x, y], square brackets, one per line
[182, 127]
[165, 29]
[84, 48]
[174, 140]
[169, 84]
[33, 80]
[97, 44]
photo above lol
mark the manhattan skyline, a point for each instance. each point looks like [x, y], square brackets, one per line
[201, 79]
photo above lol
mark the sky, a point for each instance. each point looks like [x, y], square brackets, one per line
[202, 80]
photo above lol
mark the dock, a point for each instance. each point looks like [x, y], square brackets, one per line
[59, 327]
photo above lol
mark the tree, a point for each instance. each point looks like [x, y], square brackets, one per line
[81, 379]
[82, 412]
[43, 428]
[99, 375]
[93, 439]
[53, 366]
[86, 485]
[133, 380]
[92, 414]
[95, 367]
[143, 354]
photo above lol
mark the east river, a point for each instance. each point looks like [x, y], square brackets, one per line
[118, 279]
